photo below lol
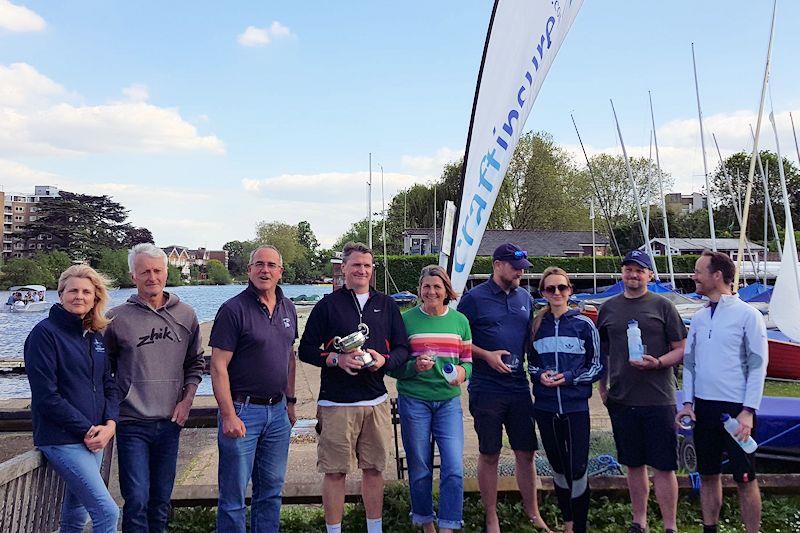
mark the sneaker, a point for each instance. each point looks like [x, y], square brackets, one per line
[636, 528]
[670, 531]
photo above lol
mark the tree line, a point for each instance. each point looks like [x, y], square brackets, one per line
[545, 188]
[81, 227]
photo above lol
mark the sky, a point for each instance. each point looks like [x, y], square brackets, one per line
[204, 118]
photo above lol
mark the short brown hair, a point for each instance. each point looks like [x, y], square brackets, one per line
[441, 273]
[355, 248]
[95, 319]
[721, 262]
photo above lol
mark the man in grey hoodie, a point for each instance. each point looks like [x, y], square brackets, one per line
[155, 348]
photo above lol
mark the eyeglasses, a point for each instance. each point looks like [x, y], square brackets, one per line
[551, 289]
[259, 265]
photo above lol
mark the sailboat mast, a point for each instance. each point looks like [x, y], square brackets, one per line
[709, 199]
[749, 191]
[794, 134]
[635, 192]
[663, 199]
[603, 206]
[594, 249]
[649, 196]
[765, 180]
[788, 225]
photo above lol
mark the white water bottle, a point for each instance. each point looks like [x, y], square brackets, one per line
[731, 425]
[635, 347]
[449, 372]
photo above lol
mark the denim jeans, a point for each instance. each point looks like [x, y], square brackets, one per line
[147, 452]
[261, 455]
[419, 419]
[87, 495]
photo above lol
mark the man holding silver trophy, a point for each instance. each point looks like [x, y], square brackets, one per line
[354, 334]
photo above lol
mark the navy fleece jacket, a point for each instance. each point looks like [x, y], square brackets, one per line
[70, 377]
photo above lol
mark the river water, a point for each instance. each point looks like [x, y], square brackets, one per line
[205, 299]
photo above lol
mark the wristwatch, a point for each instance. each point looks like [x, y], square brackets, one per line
[291, 399]
[335, 359]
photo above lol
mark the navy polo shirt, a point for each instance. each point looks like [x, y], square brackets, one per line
[498, 321]
[261, 344]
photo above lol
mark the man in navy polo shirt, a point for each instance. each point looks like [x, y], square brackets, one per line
[252, 371]
[499, 314]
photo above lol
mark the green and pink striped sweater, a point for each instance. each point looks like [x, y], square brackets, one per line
[449, 337]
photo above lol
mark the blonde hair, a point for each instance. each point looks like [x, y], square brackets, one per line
[441, 273]
[95, 319]
[549, 271]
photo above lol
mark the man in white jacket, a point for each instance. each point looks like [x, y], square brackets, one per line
[725, 365]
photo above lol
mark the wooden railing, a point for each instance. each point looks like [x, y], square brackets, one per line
[31, 492]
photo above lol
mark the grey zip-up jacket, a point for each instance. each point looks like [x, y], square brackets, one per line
[154, 353]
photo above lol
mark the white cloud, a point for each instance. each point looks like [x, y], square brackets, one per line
[19, 18]
[22, 86]
[39, 117]
[430, 165]
[253, 36]
[136, 93]
[278, 30]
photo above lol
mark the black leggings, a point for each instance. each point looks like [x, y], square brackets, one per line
[565, 438]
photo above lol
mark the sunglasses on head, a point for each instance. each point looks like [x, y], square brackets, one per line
[551, 289]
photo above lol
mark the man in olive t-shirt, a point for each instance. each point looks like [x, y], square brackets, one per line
[640, 395]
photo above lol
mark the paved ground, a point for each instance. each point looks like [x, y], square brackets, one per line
[197, 463]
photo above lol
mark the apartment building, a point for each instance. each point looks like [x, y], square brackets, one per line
[683, 204]
[18, 210]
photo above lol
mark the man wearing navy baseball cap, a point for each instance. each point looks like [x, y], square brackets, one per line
[499, 314]
[640, 394]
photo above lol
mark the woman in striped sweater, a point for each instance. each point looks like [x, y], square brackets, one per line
[429, 400]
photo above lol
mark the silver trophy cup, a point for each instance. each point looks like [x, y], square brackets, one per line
[355, 341]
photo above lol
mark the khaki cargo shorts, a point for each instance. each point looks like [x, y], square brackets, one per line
[353, 435]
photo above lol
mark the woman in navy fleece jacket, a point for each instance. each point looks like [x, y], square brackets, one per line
[73, 396]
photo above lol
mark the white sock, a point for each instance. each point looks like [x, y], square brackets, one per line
[333, 528]
[374, 525]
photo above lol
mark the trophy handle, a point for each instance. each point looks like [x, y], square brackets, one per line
[363, 328]
[337, 342]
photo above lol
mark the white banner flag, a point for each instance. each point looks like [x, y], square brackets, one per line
[523, 40]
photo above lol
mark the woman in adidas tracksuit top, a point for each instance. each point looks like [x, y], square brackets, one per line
[564, 362]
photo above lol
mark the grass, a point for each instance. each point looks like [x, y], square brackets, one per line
[790, 389]
[607, 515]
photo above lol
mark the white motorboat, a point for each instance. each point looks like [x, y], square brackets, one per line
[27, 306]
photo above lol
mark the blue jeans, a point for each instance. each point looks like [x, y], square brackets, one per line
[261, 454]
[147, 452]
[86, 494]
[419, 420]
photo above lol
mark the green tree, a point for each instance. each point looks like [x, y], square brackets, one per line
[238, 256]
[114, 264]
[614, 186]
[307, 268]
[25, 272]
[217, 273]
[542, 188]
[729, 185]
[54, 262]
[82, 224]
[282, 236]
[174, 278]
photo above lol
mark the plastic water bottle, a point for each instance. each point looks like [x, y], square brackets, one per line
[635, 347]
[731, 425]
[449, 372]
